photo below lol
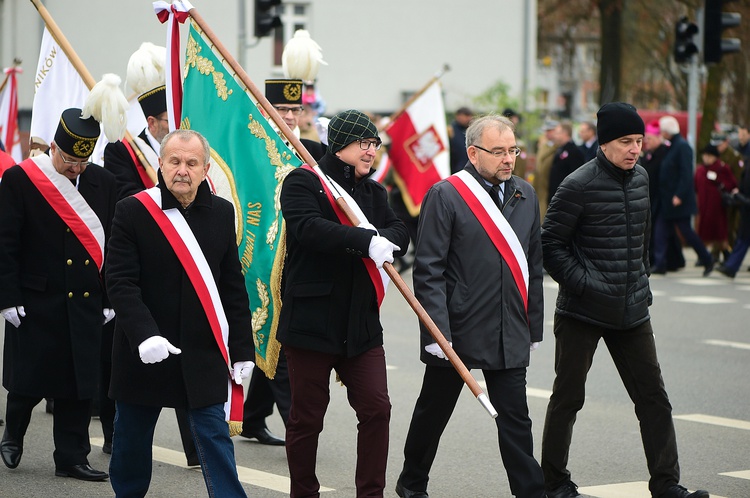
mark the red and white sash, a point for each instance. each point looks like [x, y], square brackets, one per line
[140, 168]
[68, 203]
[497, 227]
[378, 276]
[188, 251]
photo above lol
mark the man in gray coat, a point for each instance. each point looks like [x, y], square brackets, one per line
[478, 273]
[595, 239]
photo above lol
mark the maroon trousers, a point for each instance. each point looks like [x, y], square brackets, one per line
[367, 391]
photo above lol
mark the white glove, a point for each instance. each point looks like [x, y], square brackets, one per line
[109, 314]
[533, 346]
[368, 226]
[434, 349]
[14, 315]
[155, 349]
[242, 370]
[381, 250]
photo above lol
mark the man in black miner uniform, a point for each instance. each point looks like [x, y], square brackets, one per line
[285, 95]
[55, 214]
[121, 159]
[567, 158]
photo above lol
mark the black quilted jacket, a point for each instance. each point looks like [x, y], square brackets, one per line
[595, 244]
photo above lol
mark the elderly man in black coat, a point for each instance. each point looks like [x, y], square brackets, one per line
[478, 274]
[55, 215]
[183, 334]
[595, 238]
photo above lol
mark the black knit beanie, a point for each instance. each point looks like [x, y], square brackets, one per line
[348, 126]
[617, 119]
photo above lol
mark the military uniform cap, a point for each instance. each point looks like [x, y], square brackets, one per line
[284, 91]
[77, 136]
[154, 101]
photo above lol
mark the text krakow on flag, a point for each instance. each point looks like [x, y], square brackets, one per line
[9, 115]
[249, 162]
[419, 146]
[58, 86]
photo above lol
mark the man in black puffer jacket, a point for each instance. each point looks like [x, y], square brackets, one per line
[595, 245]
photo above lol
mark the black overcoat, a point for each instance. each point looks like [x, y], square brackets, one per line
[329, 302]
[117, 160]
[152, 295]
[44, 267]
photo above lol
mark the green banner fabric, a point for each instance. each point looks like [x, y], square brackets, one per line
[249, 161]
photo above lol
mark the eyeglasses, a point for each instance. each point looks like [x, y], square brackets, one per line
[162, 119]
[83, 163]
[513, 151]
[294, 110]
[365, 144]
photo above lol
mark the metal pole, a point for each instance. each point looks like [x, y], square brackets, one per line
[693, 86]
[525, 62]
[692, 103]
[241, 33]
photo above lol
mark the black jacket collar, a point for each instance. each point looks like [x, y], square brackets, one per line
[611, 169]
[203, 197]
[341, 172]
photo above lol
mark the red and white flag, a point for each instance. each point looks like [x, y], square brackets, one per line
[419, 146]
[384, 165]
[9, 114]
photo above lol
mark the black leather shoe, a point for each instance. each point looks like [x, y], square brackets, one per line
[408, 493]
[677, 491]
[568, 489]
[11, 451]
[707, 269]
[725, 271]
[84, 472]
[107, 447]
[264, 436]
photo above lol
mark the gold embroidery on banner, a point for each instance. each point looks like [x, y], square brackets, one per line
[260, 315]
[281, 163]
[205, 67]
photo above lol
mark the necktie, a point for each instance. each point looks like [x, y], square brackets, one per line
[495, 194]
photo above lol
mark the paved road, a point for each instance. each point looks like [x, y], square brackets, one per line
[703, 339]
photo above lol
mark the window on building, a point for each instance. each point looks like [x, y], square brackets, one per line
[294, 16]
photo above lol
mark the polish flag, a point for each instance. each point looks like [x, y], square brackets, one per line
[419, 146]
[9, 115]
[383, 166]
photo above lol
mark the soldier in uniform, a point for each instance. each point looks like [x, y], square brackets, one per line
[55, 214]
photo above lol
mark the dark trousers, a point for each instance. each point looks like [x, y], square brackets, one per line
[264, 392]
[367, 391]
[441, 387]
[70, 429]
[661, 244]
[634, 354]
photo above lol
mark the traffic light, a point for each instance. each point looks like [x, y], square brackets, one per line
[684, 45]
[266, 19]
[716, 21]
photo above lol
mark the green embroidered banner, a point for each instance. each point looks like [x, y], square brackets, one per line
[249, 162]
